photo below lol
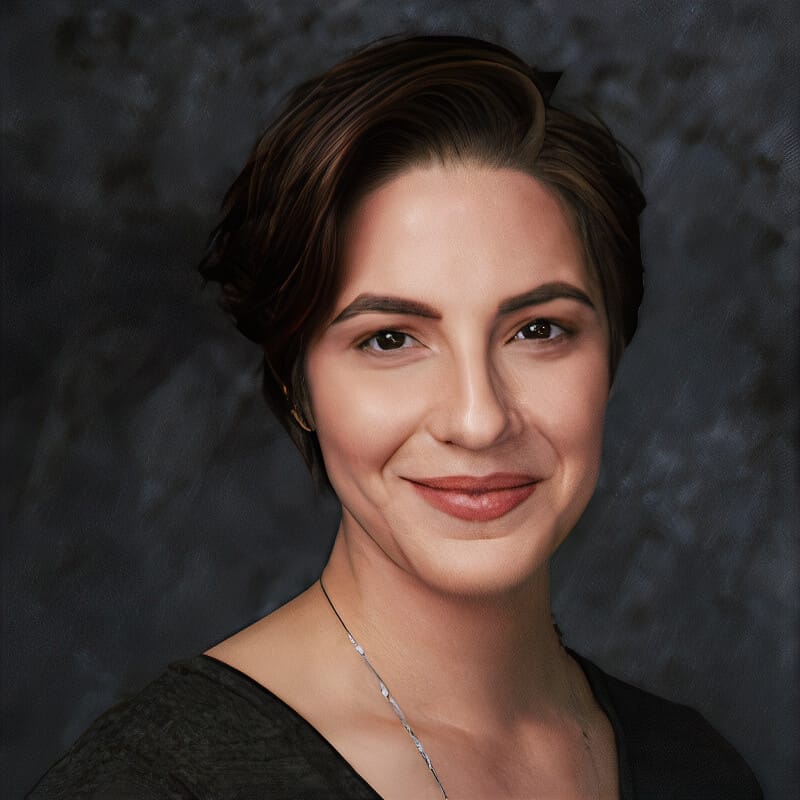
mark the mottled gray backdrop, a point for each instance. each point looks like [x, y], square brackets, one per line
[151, 506]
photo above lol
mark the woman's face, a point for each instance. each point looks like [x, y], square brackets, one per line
[459, 389]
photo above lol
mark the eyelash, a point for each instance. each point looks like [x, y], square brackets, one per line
[538, 322]
[366, 346]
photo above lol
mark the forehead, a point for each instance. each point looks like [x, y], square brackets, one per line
[460, 233]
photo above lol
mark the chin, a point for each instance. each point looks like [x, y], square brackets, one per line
[482, 568]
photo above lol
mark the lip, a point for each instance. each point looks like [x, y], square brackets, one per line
[478, 499]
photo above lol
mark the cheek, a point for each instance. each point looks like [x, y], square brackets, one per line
[583, 426]
[576, 413]
[573, 426]
[361, 420]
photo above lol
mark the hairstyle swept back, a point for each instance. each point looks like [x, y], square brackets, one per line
[399, 103]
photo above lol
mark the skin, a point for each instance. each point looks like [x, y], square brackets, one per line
[468, 340]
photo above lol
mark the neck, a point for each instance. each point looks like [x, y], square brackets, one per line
[469, 660]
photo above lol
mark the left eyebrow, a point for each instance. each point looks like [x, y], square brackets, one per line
[384, 304]
[544, 294]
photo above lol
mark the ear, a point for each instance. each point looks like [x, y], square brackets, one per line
[308, 414]
[301, 396]
[300, 419]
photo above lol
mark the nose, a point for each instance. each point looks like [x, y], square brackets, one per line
[473, 408]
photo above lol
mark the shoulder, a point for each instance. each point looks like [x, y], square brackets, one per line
[202, 729]
[670, 749]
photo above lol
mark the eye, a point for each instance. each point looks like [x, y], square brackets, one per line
[542, 329]
[384, 341]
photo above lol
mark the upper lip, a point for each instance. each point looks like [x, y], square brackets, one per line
[497, 481]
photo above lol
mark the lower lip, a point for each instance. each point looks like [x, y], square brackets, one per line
[476, 506]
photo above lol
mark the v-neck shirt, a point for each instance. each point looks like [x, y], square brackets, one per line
[206, 731]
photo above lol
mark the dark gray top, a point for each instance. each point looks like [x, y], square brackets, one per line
[204, 731]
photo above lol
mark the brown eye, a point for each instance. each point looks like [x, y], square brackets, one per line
[388, 340]
[540, 329]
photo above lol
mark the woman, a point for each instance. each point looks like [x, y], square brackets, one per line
[443, 271]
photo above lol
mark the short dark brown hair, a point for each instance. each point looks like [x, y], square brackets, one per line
[399, 103]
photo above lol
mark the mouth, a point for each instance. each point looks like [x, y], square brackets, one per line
[478, 499]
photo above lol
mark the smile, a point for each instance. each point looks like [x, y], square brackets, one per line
[476, 499]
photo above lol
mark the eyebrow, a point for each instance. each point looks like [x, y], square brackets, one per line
[544, 294]
[386, 304]
[382, 304]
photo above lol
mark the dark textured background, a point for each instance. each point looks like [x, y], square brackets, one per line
[153, 506]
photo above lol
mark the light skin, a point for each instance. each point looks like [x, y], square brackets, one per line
[458, 393]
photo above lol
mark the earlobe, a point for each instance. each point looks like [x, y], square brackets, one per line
[297, 415]
[299, 419]
[301, 407]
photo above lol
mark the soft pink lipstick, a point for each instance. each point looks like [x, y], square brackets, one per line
[476, 499]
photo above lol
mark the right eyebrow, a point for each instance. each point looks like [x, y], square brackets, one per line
[385, 304]
[544, 294]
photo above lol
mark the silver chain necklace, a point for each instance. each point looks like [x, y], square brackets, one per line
[386, 693]
[404, 722]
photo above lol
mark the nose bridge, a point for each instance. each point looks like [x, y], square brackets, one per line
[476, 408]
